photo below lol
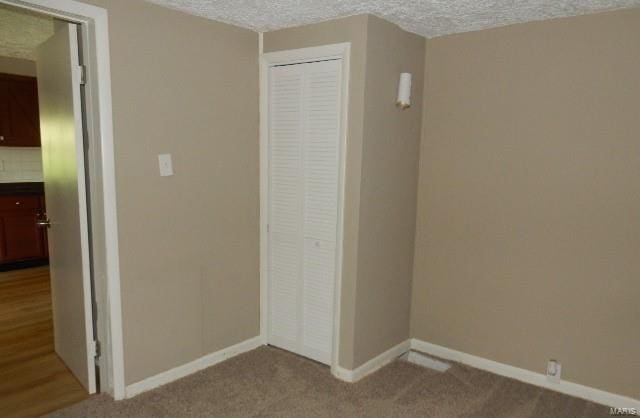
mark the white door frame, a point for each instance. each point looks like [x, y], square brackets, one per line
[95, 44]
[299, 56]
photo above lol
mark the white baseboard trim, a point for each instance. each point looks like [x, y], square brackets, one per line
[373, 364]
[192, 367]
[527, 376]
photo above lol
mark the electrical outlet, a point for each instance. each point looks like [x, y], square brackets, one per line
[554, 370]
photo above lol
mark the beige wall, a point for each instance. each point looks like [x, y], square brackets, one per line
[382, 153]
[528, 223]
[189, 243]
[388, 190]
[17, 66]
[354, 30]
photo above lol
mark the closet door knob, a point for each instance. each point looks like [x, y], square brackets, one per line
[1, 137]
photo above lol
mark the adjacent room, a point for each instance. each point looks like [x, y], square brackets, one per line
[319, 208]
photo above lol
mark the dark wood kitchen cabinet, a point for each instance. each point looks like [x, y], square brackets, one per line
[20, 238]
[19, 113]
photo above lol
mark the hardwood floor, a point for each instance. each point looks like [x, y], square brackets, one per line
[33, 380]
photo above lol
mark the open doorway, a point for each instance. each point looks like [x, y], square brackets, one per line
[49, 304]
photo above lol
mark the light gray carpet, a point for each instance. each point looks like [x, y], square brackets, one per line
[270, 382]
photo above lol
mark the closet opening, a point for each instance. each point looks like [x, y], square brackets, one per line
[304, 96]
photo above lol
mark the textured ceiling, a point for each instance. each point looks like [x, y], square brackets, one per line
[429, 18]
[21, 32]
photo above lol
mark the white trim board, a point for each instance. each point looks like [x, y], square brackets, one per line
[527, 376]
[297, 56]
[192, 367]
[372, 365]
[95, 31]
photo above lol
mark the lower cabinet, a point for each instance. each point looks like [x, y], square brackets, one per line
[20, 238]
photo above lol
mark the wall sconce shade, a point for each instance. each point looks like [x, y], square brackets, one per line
[404, 91]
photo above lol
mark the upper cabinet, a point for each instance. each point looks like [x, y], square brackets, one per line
[19, 115]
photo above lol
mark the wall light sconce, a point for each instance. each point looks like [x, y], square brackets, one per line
[404, 91]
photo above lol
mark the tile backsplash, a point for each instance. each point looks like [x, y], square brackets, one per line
[20, 165]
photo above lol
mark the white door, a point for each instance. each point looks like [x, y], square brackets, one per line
[304, 157]
[59, 79]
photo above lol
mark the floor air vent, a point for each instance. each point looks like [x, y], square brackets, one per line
[424, 360]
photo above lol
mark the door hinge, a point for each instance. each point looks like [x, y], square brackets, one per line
[96, 349]
[82, 70]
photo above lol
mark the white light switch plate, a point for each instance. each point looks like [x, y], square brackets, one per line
[166, 166]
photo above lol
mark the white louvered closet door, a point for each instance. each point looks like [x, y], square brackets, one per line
[304, 132]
